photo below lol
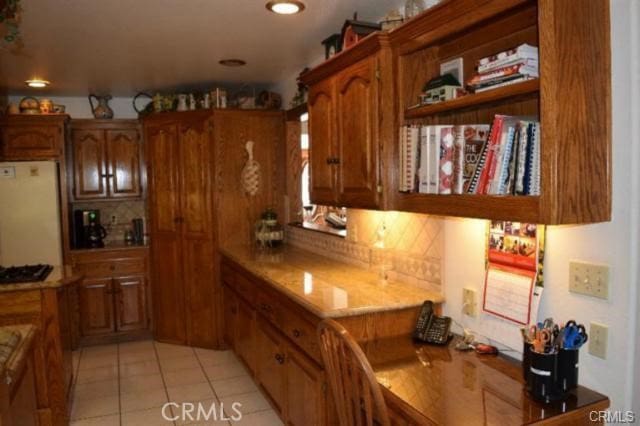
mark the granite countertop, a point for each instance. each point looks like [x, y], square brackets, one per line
[15, 341]
[326, 287]
[112, 246]
[59, 276]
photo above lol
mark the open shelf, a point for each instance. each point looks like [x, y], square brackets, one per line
[510, 93]
[525, 208]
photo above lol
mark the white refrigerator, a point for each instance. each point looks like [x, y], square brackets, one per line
[29, 214]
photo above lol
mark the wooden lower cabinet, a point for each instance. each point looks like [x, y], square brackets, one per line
[270, 364]
[245, 340]
[230, 314]
[113, 295]
[306, 390]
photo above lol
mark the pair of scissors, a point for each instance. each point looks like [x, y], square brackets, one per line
[575, 335]
[541, 339]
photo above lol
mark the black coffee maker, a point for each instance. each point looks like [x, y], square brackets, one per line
[87, 231]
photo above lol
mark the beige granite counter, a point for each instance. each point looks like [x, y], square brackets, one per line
[15, 341]
[326, 287]
[58, 277]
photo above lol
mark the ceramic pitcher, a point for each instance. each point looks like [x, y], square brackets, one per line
[102, 110]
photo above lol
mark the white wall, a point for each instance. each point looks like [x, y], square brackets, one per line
[78, 107]
[612, 243]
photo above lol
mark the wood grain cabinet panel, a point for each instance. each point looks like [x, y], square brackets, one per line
[245, 335]
[131, 306]
[123, 153]
[323, 141]
[96, 306]
[357, 112]
[107, 159]
[230, 306]
[89, 164]
[306, 390]
[179, 154]
[32, 140]
[270, 363]
[343, 137]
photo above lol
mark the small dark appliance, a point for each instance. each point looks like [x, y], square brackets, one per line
[87, 231]
[24, 274]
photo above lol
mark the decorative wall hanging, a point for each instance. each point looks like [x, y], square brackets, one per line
[250, 177]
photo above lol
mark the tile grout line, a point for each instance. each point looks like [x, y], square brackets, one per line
[215, 394]
[164, 384]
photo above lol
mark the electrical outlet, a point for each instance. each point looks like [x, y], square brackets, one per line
[598, 340]
[589, 279]
[469, 302]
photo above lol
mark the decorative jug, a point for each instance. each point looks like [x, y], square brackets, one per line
[102, 110]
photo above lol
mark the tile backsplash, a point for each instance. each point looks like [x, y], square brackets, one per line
[124, 211]
[408, 246]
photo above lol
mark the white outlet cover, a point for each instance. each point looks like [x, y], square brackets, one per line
[8, 172]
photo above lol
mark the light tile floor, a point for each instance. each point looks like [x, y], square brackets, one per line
[127, 384]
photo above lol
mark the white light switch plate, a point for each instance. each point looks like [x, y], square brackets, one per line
[598, 334]
[469, 302]
[589, 279]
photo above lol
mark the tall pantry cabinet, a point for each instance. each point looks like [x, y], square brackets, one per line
[182, 233]
[197, 204]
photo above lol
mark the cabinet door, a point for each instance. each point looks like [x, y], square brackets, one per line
[168, 289]
[245, 335]
[96, 307]
[306, 394]
[31, 142]
[89, 165]
[270, 359]
[322, 140]
[123, 154]
[196, 213]
[131, 305]
[230, 306]
[357, 112]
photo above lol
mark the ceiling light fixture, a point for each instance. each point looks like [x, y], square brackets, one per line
[232, 62]
[37, 83]
[285, 7]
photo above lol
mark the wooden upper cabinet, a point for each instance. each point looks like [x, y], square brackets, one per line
[32, 137]
[345, 123]
[322, 146]
[89, 164]
[107, 157]
[357, 112]
[123, 154]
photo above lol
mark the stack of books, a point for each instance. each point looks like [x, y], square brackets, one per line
[504, 68]
[498, 159]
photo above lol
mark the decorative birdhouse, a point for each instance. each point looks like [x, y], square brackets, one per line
[353, 31]
[332, 45]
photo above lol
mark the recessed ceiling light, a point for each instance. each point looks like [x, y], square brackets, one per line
[285, 7]
[37, 83]
[232, 62]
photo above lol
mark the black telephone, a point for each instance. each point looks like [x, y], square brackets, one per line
[431, 328]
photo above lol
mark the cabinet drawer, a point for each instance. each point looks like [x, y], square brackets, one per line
[245, 288]
[111, 268]
[302, 333]
[270, 307]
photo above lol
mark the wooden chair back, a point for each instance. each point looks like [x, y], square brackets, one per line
[356, 392]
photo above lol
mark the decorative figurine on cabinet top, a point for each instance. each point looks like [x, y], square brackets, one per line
[332, 45]
[353, 31]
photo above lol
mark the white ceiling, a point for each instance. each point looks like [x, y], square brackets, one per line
[125, 46]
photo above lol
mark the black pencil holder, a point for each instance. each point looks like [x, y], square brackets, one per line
[542, 380]
[526, 362]
[567, 369]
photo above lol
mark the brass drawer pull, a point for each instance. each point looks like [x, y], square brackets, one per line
[296, 333]
[280, 358]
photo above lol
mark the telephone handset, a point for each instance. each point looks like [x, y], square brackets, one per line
[431, 328]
